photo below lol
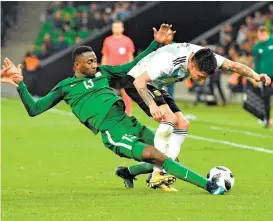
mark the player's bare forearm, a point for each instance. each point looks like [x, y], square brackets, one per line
[142, 89]
[240, 69]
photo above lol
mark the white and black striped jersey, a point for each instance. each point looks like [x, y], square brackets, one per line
[168, 64]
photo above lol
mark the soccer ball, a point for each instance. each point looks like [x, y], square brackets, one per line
[222, 176]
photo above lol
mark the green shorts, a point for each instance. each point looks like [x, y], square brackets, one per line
[128, 138]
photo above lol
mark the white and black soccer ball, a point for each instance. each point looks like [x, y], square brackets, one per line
[222, 176]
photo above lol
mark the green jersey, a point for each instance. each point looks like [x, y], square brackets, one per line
[89, 98]
[263, 57]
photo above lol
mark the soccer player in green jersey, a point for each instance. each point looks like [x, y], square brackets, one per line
[100, 109]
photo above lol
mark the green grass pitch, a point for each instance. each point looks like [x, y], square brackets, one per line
[54, 169]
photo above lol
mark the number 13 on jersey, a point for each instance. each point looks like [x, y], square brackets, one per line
[88, 84]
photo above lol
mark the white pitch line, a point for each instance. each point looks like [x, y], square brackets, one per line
[66, 113]
[225, 142]
[240, 131]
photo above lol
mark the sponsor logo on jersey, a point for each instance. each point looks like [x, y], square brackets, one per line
[98, 74]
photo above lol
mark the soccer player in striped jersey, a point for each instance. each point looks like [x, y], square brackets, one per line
[167, 65]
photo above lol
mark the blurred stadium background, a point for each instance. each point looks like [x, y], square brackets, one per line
[54, 169]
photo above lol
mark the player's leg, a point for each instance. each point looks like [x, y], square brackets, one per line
[121, 140]
[180, 130]
[161, 140]
[152, 155]
[165, 128]
[128, 174]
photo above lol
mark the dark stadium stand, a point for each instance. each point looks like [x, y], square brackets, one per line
[9, 12]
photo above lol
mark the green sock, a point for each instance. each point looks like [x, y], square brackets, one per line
[141, 168]
[183, 173]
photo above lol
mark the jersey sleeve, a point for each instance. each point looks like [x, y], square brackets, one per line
[220, 60]
[122, 70]
[160, 64]
[35, 108]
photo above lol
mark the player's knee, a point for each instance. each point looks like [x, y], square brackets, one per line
[182, 123]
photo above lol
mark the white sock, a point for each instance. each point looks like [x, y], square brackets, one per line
[176, 140]
[161, 139]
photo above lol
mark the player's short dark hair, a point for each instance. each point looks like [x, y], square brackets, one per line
[80, 50]
[205, 61]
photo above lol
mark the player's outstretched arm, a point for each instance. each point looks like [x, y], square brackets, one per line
[33, 108]
[122, 70]
[160, 37]
[244, 70]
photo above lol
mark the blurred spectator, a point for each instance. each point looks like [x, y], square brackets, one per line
[250, 24]
[93, 8]
[242, 33]
[258, 19]
[57, 21]
[226, 30]
[107, 19]
[43, 53]
[263, 57]
[125, 11]
[117, 10]
[78, 40]
[97, 22]
[31, 62]
[48, 43]
[67, 20]
[84, 22]
[118, 49]
[227, 43]
[60, 44]
[232, 54]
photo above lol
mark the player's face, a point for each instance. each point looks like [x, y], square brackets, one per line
[196, 74]
[87, 64]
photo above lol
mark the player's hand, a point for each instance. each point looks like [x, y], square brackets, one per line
[264, 78]
[10, 74]
[11, 79]
[170, 37]
[157, 112]
[161, 35]
[13, 69]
